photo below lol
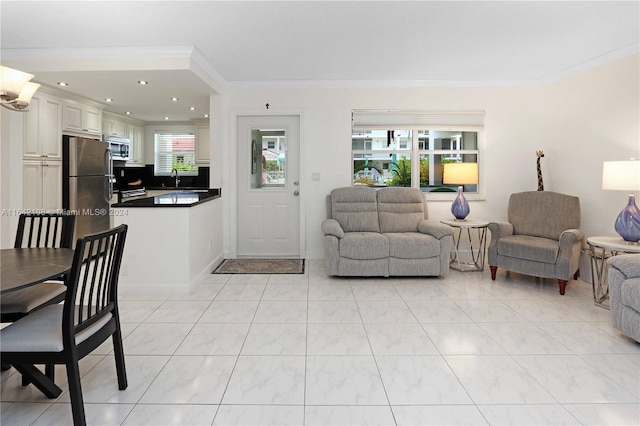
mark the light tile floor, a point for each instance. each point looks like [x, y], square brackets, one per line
[313, 350]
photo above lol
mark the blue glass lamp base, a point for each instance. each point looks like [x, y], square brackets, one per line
[628, 221]
[460, 207]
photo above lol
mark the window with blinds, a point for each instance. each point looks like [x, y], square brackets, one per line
[175, 151]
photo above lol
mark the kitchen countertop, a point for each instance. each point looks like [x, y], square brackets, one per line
[180, 198]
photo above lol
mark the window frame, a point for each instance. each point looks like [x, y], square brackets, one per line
[157, 154]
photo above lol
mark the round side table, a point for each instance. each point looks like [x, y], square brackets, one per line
[601, 249]
[474, 261]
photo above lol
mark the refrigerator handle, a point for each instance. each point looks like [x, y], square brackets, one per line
[109, 160]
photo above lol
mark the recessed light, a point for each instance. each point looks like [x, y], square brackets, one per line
[62, 83]
[166, 118]
[108, 100]
[206, 116]
[143, 82]
[192, 108]
[128, 112]
[174, 99]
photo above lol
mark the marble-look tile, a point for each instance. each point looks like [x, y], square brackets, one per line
[21, 413]
[461, 338]
[179, 415]
[465, 290]
[369, 291]
[343, 380]
[276, 339]
[427, 311]
[230, 311]
[290, 312]
[523, 338]
[241, 292]
[248, 279]
[155, 339]
[571, 380]
[437, 415]
[419, 380]
[419, 291]
[173, 311]
[270, 380]
[137, 310]
[489, 311]
[214, 339]
[181, 380]
[297, 279]
[399, 339]
[585, 338]
[331, 291]
[126, 328]
[624, 369]
[383, 312]
[525, 415]
[215, 278]
[337, 339]
[260, 415]
[534, 311]
[497, 379]
[285, 292]
[100, 385]
[95, 414]
[334, 312]
[200, 292]
[606, 414]
[343, 415]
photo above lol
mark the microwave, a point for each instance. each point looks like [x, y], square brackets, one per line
[120, 148]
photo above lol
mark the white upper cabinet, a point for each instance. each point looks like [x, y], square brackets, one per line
[82, 119]
[203, 154]
[43, 130]
[113, 126]
[135, 134]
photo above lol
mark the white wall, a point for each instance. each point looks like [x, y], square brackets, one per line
[576, 122]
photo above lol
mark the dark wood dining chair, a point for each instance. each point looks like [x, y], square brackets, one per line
[65, 333]
[38, 230]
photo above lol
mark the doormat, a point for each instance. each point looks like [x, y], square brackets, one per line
[260, 266]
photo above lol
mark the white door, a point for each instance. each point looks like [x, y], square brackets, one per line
[268, 186]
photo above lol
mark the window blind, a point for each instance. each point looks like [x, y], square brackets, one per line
[175, 151]
[385, 119]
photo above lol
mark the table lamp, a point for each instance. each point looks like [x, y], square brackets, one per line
[624, 176]
[460, 174]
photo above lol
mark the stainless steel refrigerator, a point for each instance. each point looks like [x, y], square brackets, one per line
[87, 179]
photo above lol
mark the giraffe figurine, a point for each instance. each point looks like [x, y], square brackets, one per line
[540, 154]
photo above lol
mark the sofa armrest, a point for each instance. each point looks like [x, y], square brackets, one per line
[332, 227]
[628, 264]
[499, 230]
[436, 229]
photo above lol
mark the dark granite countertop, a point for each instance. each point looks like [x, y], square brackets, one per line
[180, 198]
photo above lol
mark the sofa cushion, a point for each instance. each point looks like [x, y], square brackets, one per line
[413, 245]
[364, 245]
[400, 209]
[527, 247]
[631, 293]
[355, 208]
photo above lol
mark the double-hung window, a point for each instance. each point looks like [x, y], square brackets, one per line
[412, 148]
[175, 151]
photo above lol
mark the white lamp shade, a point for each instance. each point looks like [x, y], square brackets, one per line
[27, 92]
[12, 81]
[621, 175]
[460, 173]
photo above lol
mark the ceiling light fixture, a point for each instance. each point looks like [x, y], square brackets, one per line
[206, 116]
[174, 99]
[108, 100]
[62, 84]
[192, 108]
[15, 89]
[166, 118]
[127, 112]
[143, 82]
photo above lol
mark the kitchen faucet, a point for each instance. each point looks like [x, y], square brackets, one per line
[176, 175]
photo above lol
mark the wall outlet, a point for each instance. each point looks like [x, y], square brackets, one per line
[315, 177]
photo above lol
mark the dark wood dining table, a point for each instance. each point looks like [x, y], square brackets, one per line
[24, 267]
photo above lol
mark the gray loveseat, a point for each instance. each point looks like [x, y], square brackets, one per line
[624, 291]
[383, 232]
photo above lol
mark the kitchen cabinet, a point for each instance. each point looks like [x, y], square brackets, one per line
[135, 133]
[42, 185]
[43, 128]
[113, 126]
[81, 119]
[203, 149]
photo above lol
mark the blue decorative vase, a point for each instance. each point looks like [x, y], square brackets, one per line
[460, 206]
[628, 221]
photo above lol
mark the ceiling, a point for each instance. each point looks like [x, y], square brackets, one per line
[191, 49]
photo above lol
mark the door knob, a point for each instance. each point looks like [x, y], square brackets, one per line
[296, 193]
[296, 183]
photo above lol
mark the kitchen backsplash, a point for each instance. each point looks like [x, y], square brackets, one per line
[126, 175]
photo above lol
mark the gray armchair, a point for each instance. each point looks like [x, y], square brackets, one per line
[542, 237]
[624, 292]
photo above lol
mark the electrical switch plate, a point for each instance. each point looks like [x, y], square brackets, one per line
[315, 177]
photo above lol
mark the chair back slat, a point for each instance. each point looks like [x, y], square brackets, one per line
[45, 230]
[93, 280]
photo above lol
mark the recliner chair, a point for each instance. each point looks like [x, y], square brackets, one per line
[541, 238]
